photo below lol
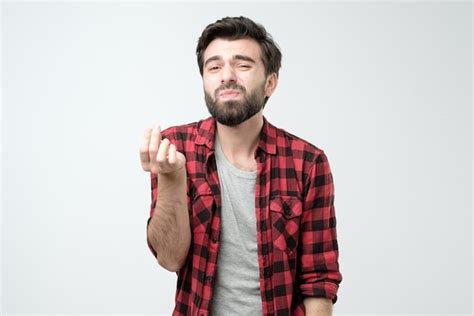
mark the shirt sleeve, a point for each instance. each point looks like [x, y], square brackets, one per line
[319, 274]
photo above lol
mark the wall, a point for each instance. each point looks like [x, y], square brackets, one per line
[384, 88]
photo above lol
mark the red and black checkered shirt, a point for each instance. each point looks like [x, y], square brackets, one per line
[296, 223]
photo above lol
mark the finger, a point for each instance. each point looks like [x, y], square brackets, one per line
[163, 151]
[154, 143]
[144, 156]
[172, 155]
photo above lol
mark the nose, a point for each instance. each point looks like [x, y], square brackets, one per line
[228, 74]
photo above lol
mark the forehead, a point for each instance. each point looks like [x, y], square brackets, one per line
[228, 48]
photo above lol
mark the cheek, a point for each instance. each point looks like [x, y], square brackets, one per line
[256, 81]
[208, 90]
[259, 85]
[209, 85]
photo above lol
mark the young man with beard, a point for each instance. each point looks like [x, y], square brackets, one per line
[241, 210]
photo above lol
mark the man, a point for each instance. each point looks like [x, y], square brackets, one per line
[241, 210]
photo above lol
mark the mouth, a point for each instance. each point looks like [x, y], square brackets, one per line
[229, 94]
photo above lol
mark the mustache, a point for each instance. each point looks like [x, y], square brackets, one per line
[231, 85]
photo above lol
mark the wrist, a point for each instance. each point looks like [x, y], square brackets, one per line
[174, 176]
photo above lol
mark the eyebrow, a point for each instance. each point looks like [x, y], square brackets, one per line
[238, 57]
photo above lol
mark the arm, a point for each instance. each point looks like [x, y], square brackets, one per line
[168, 229]
[319, 274]
[315, 306]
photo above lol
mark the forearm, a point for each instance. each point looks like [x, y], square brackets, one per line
[317, 306]
[169, 231]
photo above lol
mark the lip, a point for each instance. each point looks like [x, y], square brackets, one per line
[229, 93]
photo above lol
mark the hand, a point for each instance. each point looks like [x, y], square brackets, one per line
[159, 155]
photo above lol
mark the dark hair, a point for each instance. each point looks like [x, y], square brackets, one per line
[234, 28]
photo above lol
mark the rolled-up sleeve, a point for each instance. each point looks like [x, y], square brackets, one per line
[319, 274]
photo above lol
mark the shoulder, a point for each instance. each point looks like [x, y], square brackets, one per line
[180, 132]
[301, 158]
[184, 136]
[188, 131]
[298, 147]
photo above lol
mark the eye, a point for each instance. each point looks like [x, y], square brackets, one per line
[213, 68]
[244, 66]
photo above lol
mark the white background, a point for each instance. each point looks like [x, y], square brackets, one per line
[384, 89]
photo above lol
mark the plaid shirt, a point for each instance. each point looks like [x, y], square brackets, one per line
[296, 225]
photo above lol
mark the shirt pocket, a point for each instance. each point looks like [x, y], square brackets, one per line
[202, 203]
[285, 212]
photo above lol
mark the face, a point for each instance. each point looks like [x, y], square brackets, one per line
[234, 80]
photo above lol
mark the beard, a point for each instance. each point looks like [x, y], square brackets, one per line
[233, 112]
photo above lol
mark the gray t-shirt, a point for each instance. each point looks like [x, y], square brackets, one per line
[237, 283]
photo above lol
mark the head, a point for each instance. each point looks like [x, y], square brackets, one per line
[239, 63]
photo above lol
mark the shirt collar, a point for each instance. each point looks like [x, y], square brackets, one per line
[206, 130]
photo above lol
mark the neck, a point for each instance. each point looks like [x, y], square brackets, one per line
[240, 142]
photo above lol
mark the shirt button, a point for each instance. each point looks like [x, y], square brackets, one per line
[287, 211]
[214, 239]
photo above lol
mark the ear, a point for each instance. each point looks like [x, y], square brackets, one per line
[271, 84]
